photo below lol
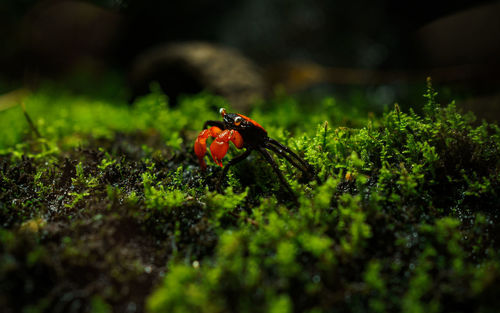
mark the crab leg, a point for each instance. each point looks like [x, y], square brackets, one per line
[231, 162]
[219, 146]
[305, 168]
[289, 151]
[281, 154]
[213, 123]
[280, 149]
[276, 169]
[200, 145]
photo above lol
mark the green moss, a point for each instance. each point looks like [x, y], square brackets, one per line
[183, 291]
[405, 217]
[159, 198]
[98, 305]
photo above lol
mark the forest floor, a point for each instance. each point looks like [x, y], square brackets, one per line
[104, 208]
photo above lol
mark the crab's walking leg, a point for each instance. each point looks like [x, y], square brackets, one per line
[276, 169]
[281, 154]
[214, 123]
[280, 149]
[288, 150]
[200, 145]
[233, 161]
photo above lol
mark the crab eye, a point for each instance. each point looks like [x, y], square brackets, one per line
[222, 112]
[237, 120]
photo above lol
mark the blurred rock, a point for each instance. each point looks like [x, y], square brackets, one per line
[467, 37]
[464, 47]
[190, 67]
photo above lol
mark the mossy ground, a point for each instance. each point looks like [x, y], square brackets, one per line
[107, 210]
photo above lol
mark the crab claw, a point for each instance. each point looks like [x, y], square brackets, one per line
[200, 144]
[220, 145]
[219, 150]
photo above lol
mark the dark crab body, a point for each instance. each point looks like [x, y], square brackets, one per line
[251, 131]
[245, 133]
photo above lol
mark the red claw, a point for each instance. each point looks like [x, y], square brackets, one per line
[219, 146]
[218, 150]
[237, 140]
[200, 145]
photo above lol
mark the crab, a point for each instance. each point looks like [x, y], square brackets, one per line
[246, 133]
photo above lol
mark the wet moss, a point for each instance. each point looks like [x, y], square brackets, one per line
[107, 210]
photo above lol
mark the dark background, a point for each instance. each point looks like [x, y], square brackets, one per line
[397, 42]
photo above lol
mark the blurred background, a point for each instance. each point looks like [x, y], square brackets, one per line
[245, 50]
